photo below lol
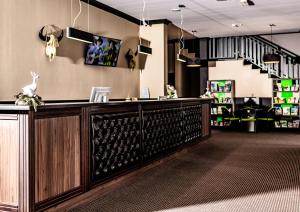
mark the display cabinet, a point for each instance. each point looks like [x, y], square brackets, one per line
[224, 92]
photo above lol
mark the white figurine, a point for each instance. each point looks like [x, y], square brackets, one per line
[29, 90]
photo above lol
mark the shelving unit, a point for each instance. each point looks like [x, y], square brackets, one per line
[285, 101]
[224, 91]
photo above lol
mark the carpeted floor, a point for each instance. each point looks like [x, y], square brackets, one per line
[230, 172]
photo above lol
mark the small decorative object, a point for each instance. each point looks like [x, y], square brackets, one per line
[51, 38]
[131, 99]
[207, 94]
[145, 93]
[100, 94]
[28, 95]
[171, 91]
[130, 59]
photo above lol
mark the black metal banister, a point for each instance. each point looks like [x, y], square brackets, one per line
[252, 49]
[276, 46]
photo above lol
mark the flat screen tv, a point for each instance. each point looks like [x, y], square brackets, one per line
[103, 51]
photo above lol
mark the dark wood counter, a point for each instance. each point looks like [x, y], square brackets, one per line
[63, 150]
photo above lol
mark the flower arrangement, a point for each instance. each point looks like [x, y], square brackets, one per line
[27, 100]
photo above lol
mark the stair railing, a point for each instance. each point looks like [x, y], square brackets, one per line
[252, 49]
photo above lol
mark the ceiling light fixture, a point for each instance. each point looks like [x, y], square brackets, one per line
[175, 10]
[236, 25]
[193, 62]
[271, 58]
[179, 56]
[246, 3]
[143, 49]
[76, 34]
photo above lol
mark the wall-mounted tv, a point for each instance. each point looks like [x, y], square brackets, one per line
[103, 51]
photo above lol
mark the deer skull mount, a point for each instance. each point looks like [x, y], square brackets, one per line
[51, 38]
[130, 59]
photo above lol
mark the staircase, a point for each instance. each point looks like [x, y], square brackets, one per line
[252, 49]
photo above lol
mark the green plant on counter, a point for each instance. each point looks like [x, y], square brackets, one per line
[30, 101]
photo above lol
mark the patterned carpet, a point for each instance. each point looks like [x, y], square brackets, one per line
[230, 172]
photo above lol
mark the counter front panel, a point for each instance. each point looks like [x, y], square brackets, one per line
[64, 150]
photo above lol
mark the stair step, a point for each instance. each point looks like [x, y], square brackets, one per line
[255, 66]
[247, 62]
[212, 63]
[273, 76]
[263, 71]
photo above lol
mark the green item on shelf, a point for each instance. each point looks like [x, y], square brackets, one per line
[286, 105]
[221, 95]
[287, 94]
[286, 82]
[221, 85]
[219, 119]
[221, 82]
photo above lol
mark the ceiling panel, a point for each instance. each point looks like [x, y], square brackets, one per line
[214, 18]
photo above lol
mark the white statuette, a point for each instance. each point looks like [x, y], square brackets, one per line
[30, 90]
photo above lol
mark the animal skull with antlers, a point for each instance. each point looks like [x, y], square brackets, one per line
[52, 39]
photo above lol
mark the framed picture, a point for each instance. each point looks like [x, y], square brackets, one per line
[100, 94]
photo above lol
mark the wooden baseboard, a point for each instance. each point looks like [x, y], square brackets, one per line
[48, 203]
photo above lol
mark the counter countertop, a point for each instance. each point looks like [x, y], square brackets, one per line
[13, 107]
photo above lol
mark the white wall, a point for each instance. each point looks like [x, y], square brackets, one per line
[248, 82]
[153, 76]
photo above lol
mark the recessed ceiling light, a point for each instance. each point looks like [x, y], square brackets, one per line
[246, 3]
[180, 6]
[236, 25]
[176, 10]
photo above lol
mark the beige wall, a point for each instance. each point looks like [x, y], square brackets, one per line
[248, 82]
[154, 74]
[66, 77]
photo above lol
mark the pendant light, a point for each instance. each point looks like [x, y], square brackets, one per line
[143, 49]
[76, 34]
[193, 62]
[271, 58]
[180, 57]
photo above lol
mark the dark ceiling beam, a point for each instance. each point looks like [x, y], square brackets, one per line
[160, 21]
[112, 11]
[121, 14]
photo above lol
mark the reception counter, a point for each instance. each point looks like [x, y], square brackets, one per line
[66, 149]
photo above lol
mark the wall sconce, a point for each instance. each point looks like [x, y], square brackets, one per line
[52, 39]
